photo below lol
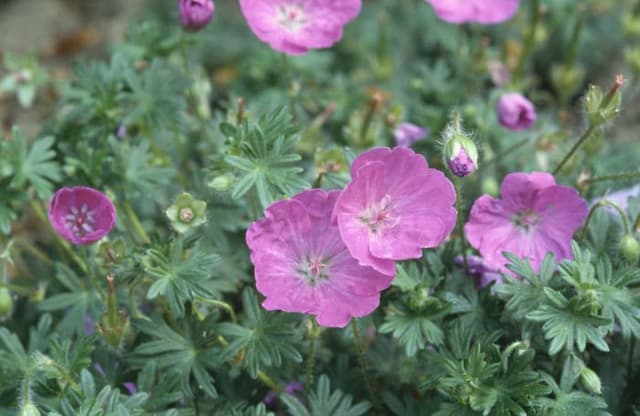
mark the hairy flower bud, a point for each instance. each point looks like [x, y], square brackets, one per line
[6, 304]
[601, 108]
[195, 14]
[29, 409]
[591, 381]
[629, 248]
[221, 183]
[460, 155]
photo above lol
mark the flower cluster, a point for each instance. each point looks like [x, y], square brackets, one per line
[330, 254]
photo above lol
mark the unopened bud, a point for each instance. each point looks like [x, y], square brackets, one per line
[629, 248]
[460, 155]
[29, 409]
[221, 183]
[591, 381]
[6, 304]
[195, 14]
[601, 108]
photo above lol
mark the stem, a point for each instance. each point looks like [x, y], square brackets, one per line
[219, 304]
[362, 362]
[36, 251]
[536, 18]
[585, 136]
[603, 203]
[374, 103]
[632, 350]
[135, 221]
[308, 381]
[268, 381]
[622, 175]
[504, 153]
[460, 208]
[184, 51]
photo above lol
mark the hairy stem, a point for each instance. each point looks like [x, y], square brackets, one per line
[585, 136]
[135, 221]
[460, 208]
[220, 304]
[361, 361]
[604, 203]
[308, 380]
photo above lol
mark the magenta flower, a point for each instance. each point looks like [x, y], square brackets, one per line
[81, 215]
[475, 11]
[407, 134]
[302, 265]
[462, 165]
[515, 112]
[295, 26]
[195, 14]
[394, 206]
[534, 217]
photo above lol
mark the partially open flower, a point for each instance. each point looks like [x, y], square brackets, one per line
[187, 213]
[460, 155]
[407, 134]
[515, 112]
[81, 215]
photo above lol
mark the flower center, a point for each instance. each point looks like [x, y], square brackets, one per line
[186, 214]
[80, 221]
[313, 270]
[291, 17]
[526, 220]
[379, 215]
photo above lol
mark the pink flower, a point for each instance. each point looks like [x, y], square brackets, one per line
[475, 11]
[302, 265]
[407, 134]
[81, 215]
[295, 26]
[534, 217]
[515, 112]
[195, 14]
[394, 206]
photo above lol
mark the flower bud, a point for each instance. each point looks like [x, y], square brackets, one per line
[195, 14]
[187, 213]
[6, 304]
[406, 134]
[221, 183]
[461, 155]
[590, 381]
[515, 112]
[601, 108]
[29, 409]
[629, 248]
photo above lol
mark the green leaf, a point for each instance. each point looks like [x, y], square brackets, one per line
[33, 165]
[266, 339]
[324, 402]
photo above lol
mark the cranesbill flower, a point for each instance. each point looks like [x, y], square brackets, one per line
[394, 206]
[406, 134]
[81, 215]
[534, 217]
[302, 265]
[295, 26]
[195, 14]
[475, 11]
[515, 112]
